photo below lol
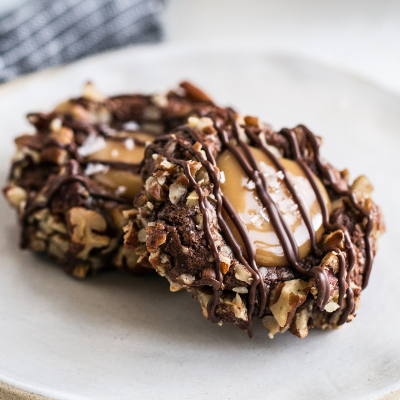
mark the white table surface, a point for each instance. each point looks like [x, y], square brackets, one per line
[361, 36]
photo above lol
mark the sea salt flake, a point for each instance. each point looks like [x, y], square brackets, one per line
[92, 144]
[280, 175]
[273, 183]
[256, 220]
[250, 185]
[131, 126]
[95, 168]
[114, 153]
[120, 190]
[264, 214]
[129, 144]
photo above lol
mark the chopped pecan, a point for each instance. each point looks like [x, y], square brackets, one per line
[83, 226]
[286, 297]
[194, 93]
[155, 240]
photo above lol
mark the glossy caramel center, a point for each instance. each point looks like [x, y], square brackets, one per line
[125, 182]
[241, 192]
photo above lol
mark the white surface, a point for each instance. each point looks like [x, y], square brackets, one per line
[361, 36]
[121, 337]
[8, 5]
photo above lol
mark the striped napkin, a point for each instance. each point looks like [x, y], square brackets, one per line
[44, 33]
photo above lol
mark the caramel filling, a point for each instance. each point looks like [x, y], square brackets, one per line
[128, 152]
[241, 192]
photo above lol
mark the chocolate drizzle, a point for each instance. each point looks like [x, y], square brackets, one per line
[53, 172]
[353, 200]
[72, 149]
[71, 175]
[250, 166]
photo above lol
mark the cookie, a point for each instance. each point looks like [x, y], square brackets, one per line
[255, 224]
[73, 178]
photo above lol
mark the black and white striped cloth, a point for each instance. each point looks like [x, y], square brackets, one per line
[44, 33]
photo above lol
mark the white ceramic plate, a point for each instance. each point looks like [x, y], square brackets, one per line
[121, 337]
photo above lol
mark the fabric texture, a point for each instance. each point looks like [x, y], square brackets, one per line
[44, 33]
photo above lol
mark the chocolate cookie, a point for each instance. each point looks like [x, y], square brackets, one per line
[72, 180]
[255, 224]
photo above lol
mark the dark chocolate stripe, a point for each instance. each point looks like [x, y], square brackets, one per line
[234, 216]
[292, 190]
[325, 217]
[122, 166]
[236, 248]
[281, 228]
[290, 247]
[207, 229]
[342, 283]
[249, 165]
[351, 196]
[70, 177]
[349, 245]
[124, 138]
